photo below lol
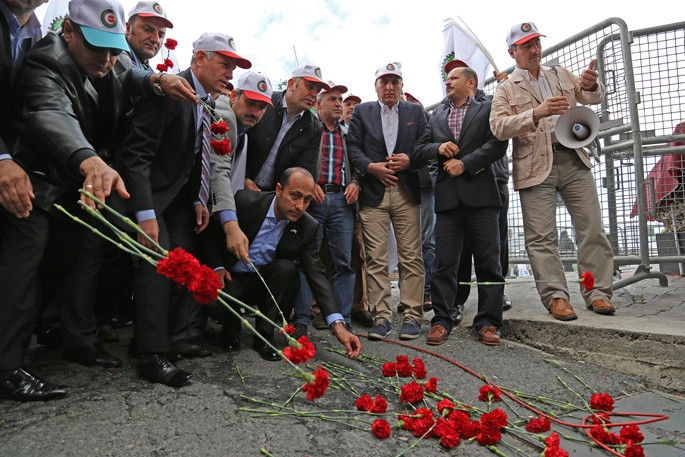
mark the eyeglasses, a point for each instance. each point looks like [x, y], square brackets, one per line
[97, 49]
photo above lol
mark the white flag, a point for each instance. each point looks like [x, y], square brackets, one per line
[462, 44]
[54, 15]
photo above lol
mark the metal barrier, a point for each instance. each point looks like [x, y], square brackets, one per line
[644, 216]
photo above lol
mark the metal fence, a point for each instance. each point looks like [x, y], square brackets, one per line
[640, 180]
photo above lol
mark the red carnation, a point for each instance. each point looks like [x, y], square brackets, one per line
[445, 406]
[380, 429]
[179, 266]
[603, 402]
[631, 434]
[364, 403]
[602, 435]
[219, 128]
[422, 421]
[288, 329]
[494, 419]
[389, 369]
[419, 369]
[470, 430]
[634, 451]
[301, 351]
[445, 430]
[538, 425]
[402, 359]
[204, 285]
[553, 440]
[317, 388]
[555, 452]
[404, 369]
[489, 393]
[411, 393]
[169, 63]
[170, 44]
[432, 385]
[380, 405]
[162, 67]
[222, 147]
[587, 280]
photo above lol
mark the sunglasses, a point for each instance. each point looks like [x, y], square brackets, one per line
[97, 49]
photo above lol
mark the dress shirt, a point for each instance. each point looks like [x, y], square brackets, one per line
[390, 118]
[456, 116]
[332, 163]
[237, 173]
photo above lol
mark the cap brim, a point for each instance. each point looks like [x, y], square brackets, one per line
[454, 63]
[389, 73]
[528, 38]
[257, 97]
[339, 88]
[353, 97]
[323, 85]
[103, 39]
[167, 22]
[240, 61]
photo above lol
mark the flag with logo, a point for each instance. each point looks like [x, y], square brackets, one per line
[462, 44]
[54, 15]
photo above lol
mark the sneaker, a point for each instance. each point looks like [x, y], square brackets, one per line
[410, 329]
[380, 328]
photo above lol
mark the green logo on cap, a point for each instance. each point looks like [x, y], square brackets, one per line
[317, 72]
[526, 27]
[157, 8]
[231, 43]
[108, 19]
[390, 67]
[261, 86]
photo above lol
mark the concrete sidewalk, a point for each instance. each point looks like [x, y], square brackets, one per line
[646, 336]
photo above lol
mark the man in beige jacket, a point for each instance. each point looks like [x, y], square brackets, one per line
[526, 108]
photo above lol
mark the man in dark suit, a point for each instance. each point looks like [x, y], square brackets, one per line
[289, 134]
[281, 235]
[381, 144]
[467, 205]
[163, 160]
[71, 99]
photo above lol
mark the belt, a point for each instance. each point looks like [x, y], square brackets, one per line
[558, 147]
[332, 188]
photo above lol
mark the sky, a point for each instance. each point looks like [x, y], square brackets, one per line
[349, 40]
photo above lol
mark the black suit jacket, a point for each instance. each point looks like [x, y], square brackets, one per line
[299, 147]
[66, 120]
[478, 149]
[366, 144]
[298, 244]
[158, 156]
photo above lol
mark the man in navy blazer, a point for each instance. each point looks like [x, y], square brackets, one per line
[467, 205]
[381, 144]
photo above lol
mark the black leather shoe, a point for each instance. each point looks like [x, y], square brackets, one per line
[506, 303]
[266, 352]
[363, 317]
[231, 343]
[21, 385]
[300, 330]
[457, 314]
[157, 368]
[48, 336]
[92, 355]
[188, 349]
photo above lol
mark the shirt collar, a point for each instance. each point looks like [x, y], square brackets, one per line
[199, 90]
[466, 103]
[385, 108]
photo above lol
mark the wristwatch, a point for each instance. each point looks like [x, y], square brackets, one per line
[335, 322]
[157, 85]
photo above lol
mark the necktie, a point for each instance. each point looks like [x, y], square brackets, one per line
[206, 137]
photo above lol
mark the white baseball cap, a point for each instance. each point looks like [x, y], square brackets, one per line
[147, 8]
[522, 32]
[392, 68]
[223, 44]
[310, 73]
[102, 22]
[255, 86]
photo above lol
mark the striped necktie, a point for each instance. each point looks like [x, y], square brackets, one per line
[205, 150]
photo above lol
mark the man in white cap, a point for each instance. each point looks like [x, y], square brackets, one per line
[166, 160]
[335, 197]
[381, 143]
[289, 134]
[145, 31]
[71, 100]
[526, 108]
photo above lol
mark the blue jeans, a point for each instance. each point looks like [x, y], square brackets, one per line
[335, 216]
[428, 234]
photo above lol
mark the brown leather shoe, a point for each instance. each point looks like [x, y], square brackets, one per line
[437, 335]
[561, 309]
[602, 307]
[488, 335]
[427, 302]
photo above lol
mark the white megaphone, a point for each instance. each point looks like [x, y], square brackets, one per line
[577, 128]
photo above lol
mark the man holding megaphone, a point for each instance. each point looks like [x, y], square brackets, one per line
[547, 161]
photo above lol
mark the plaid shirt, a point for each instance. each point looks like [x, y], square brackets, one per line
[456, 116]
[332, 163]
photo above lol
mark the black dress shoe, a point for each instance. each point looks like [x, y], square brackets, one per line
[231, 343]
[300, 330]
[21, 385]
[363, 317]
[188, 349]
[506, 303]
[48, 336]
[266, 352]
[457, 313]
[92, 355]
[157, 368]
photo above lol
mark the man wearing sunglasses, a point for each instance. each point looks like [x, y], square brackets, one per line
[71, 101]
